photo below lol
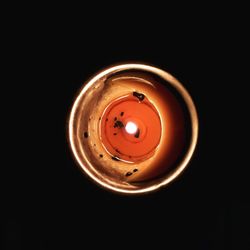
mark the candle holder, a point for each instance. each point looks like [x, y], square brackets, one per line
[133, 128]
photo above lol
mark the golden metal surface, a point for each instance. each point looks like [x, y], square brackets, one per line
[112, 184]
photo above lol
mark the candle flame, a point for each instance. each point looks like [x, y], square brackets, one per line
[131, 128]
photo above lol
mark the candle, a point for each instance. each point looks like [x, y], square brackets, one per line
[133, 127]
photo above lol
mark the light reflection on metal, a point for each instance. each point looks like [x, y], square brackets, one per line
[111, 183]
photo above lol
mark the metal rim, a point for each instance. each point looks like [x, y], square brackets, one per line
[193, 116]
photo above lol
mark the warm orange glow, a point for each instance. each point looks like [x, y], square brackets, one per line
[143, 117]
[133, 128]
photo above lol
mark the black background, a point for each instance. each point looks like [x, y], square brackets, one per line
[50, 204]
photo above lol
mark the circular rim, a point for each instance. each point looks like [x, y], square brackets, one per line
[193, 116]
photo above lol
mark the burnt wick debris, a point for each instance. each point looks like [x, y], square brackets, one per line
[139, 96]
[118, 124]
[115, 158]
[137, 134]
[107, 119]
[128, 174]
[86, 135]
[122, 113]
[115, 119]
[101, 155]
[115, 134]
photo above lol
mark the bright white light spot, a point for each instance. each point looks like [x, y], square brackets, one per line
[131, 128]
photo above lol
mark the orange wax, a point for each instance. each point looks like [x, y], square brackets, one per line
[131, 128]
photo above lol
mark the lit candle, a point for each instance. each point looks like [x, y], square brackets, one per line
[131, 125]
[131, 128]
